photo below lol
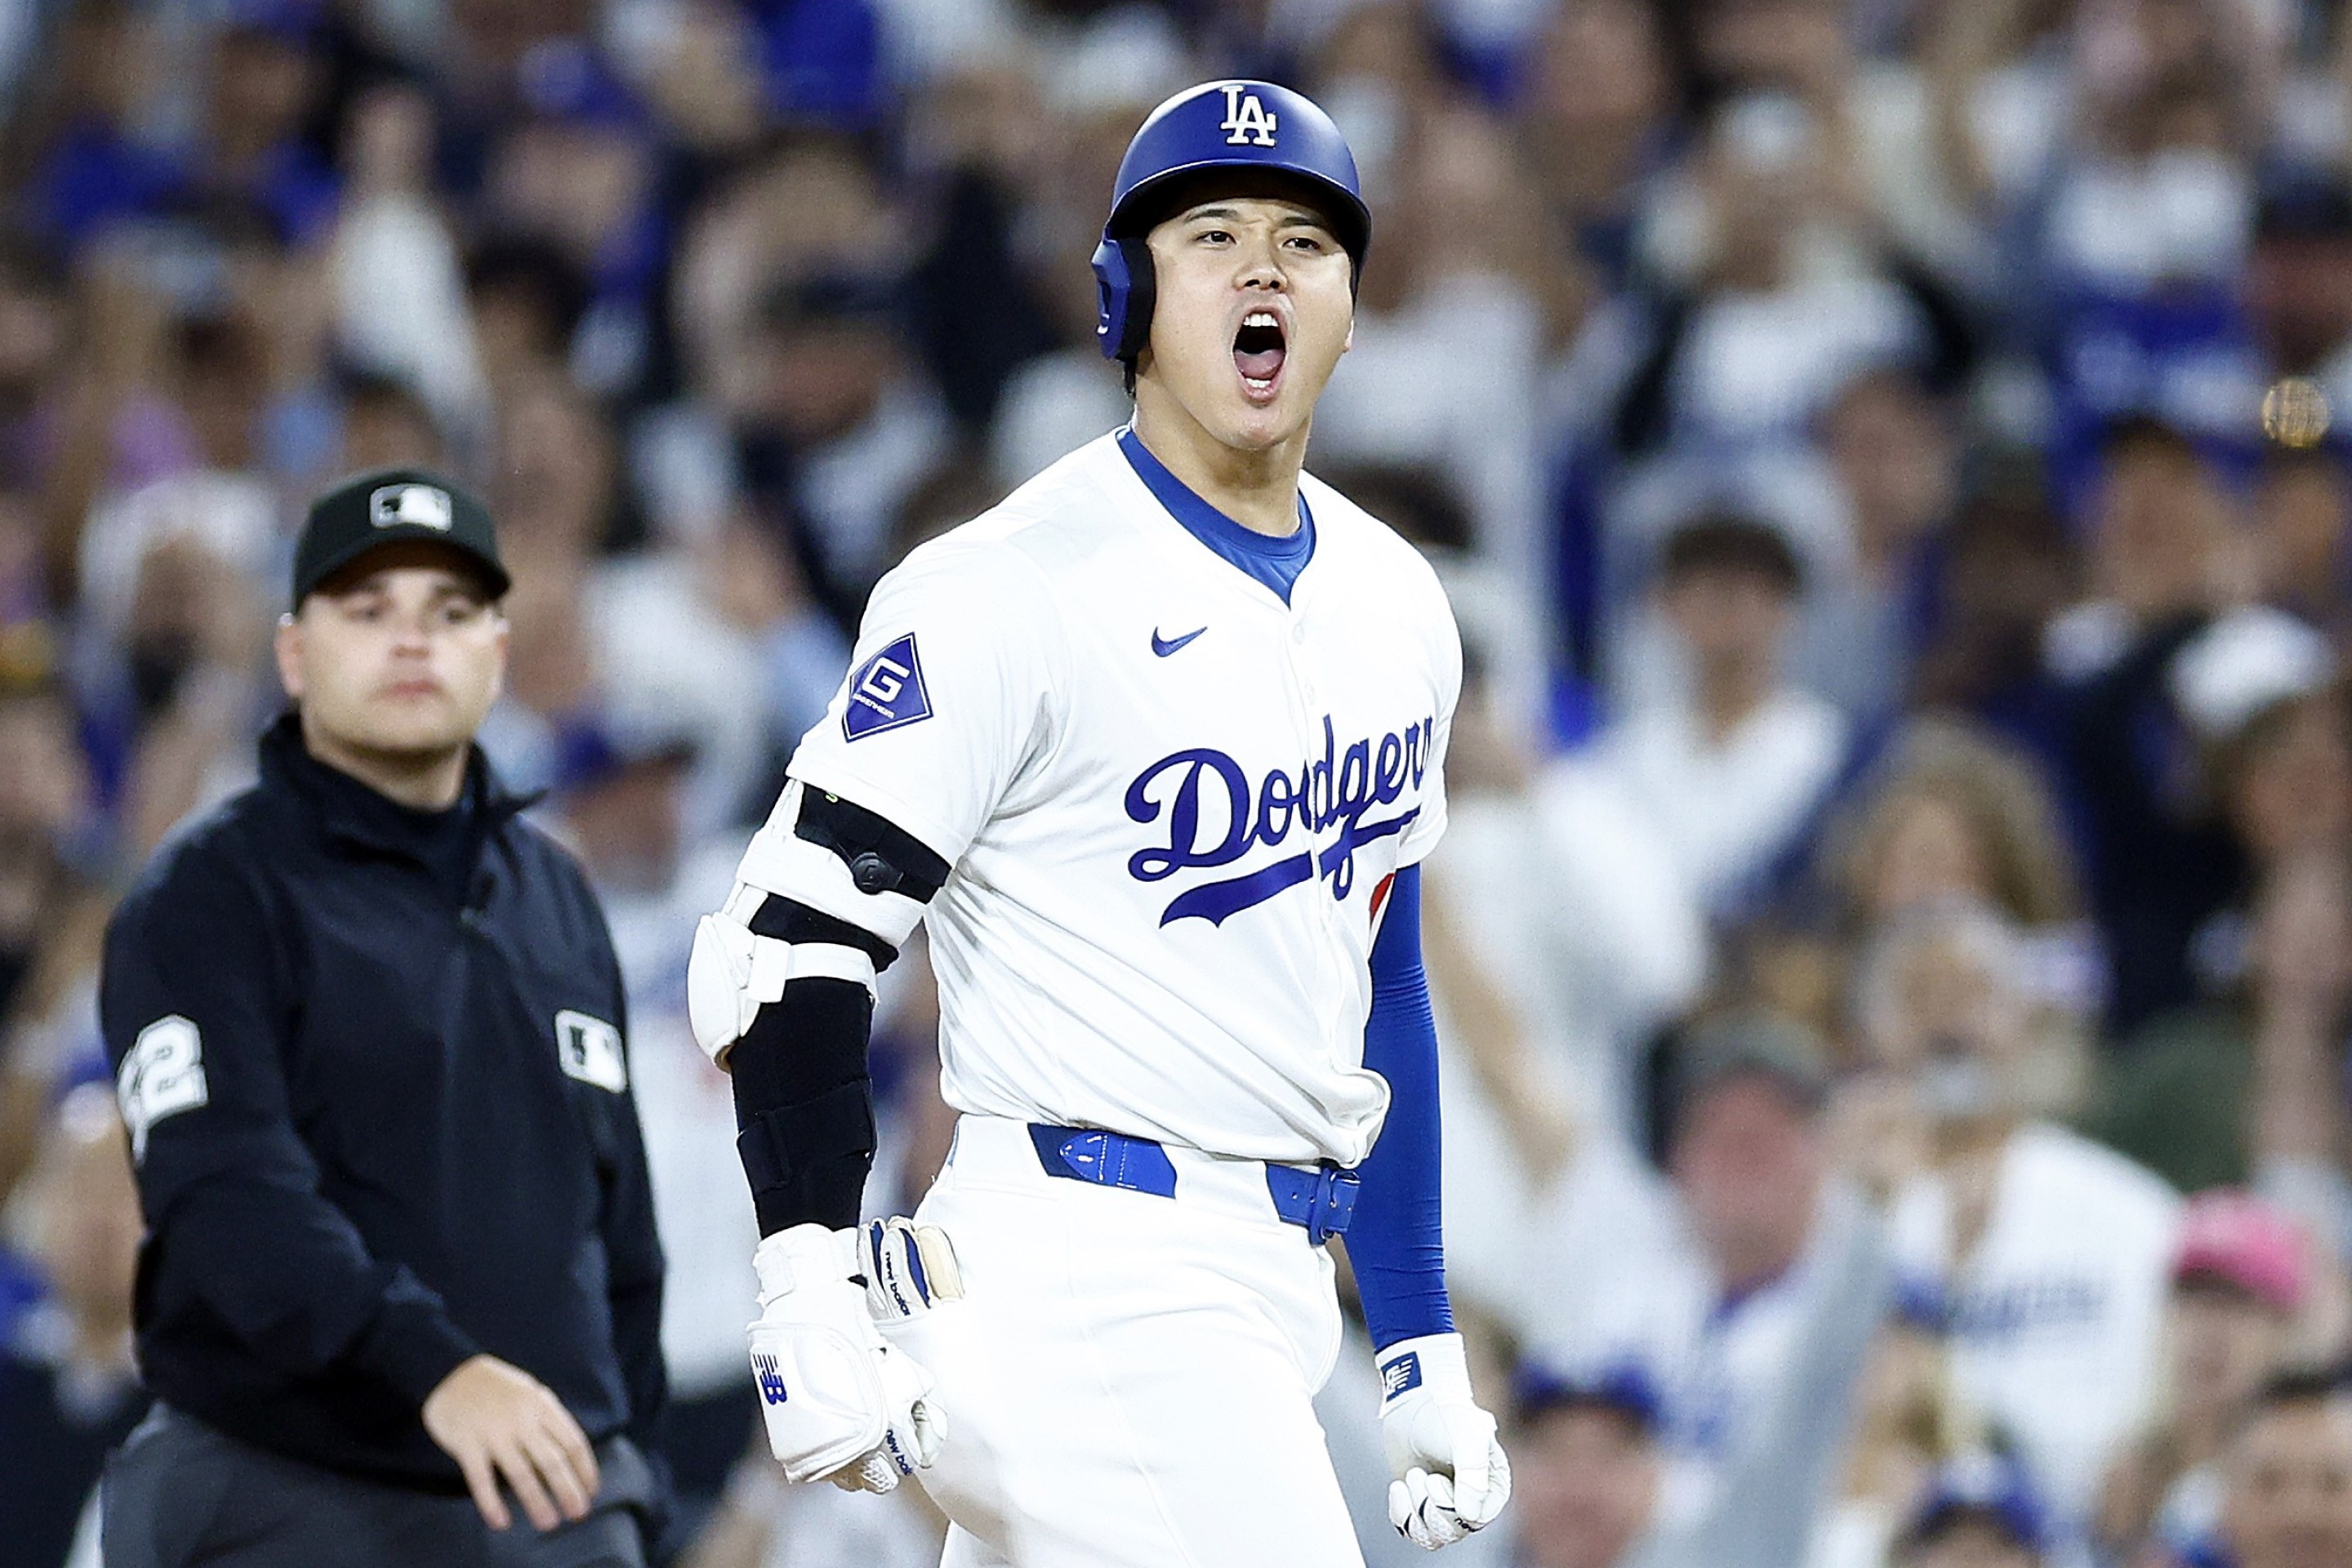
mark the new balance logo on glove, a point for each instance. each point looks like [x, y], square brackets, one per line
[772, 1381]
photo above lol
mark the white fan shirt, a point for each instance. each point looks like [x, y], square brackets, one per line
[2055, 1315]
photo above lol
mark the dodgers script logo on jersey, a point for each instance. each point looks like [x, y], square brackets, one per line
[1215, 817]
[1248, 122]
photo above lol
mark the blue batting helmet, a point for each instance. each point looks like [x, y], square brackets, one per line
[1218, 125]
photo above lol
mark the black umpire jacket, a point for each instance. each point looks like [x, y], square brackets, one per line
[372, 1062]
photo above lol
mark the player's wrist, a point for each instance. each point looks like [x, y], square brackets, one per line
[1436, 1365]
[803, 1257]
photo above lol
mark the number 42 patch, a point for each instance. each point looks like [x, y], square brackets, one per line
[162, 1074]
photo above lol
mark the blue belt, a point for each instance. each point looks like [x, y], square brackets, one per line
[1320, 1201]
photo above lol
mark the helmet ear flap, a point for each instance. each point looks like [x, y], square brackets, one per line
[1123, 297]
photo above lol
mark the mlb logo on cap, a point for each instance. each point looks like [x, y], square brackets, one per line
[414, 506]
[395, 506]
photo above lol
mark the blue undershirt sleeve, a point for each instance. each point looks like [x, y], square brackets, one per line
[1395, 1240]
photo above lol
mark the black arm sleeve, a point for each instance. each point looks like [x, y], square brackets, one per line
[803, 1102]
[236, 1227]
[805, 1106]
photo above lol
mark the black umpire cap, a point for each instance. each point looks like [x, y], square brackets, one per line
[395, 506]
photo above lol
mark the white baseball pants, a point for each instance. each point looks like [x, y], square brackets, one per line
[1128, 1378]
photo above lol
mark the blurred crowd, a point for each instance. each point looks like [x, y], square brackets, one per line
[1894, 946]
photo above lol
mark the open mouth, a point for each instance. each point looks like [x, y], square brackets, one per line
[1258, 350]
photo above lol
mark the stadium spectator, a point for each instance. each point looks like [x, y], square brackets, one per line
[2287, 1498]
[2259, 692]
[2297, 288]
[264, 84]
[1948, 812]
[576, 169]
[1568, 894]
[36, 343]
[1445, 362]
[842, 423]
[2165, 555]
[1770, 298]
[526, 297]
[597, 638]
[68, 1388]
[1594, 115]
[1757, 1314]
[1734, 778]
[51, 914]
[1586, 1467]
[2049, 1252]
[1978, 1514]
[90, 167]
[385, 426]
[2301, 512]
[399, 308]
[2241, 1278]
[2225, 1093]
[2008, 568]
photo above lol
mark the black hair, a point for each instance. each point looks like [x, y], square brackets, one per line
[535, 267]
[2144, 432]
[1730, 541]
[1418, 501]
[2297, 1388]
[30, 264]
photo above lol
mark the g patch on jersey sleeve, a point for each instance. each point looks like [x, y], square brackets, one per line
[887, 692]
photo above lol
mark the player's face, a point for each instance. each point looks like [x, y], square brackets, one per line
[1252, 313]
[403, 660]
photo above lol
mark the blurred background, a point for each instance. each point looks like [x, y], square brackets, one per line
[1895, 944]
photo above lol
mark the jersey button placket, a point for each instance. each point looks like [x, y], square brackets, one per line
[1312, 709]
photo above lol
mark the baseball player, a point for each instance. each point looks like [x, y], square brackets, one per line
[1156, 747]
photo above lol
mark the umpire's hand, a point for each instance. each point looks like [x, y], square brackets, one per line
[499, 1422]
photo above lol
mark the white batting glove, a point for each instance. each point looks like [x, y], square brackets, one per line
[1450, 1475]
[908, 1267]
[840, 1405]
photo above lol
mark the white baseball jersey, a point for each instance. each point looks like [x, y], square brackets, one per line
[2055, 1316]
[1170, 800]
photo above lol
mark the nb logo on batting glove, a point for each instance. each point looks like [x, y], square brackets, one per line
[772, 1381]
[1400, 1374]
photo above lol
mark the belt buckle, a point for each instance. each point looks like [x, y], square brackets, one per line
[1331, 1202]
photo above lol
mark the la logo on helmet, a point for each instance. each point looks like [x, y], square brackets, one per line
[1246, 121]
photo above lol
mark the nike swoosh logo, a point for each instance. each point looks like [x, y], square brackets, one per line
[1163, 646]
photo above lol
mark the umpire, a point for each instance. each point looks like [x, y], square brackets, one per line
[366, 1027]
